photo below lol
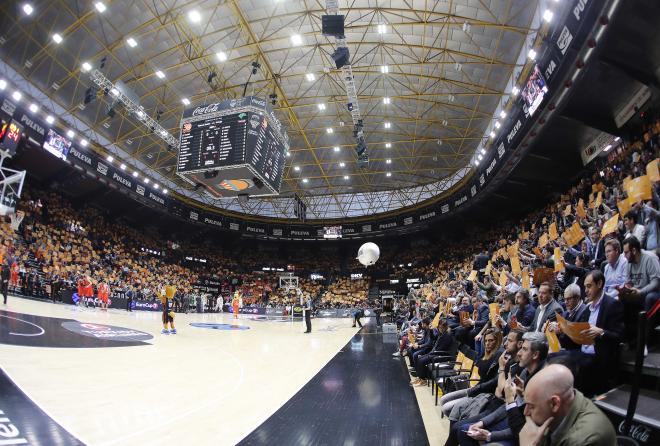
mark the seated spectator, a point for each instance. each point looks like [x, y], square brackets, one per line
[473, 325]
[547, 309]
[524, 313]
[633, 229]
[558, 414]
[616, 268]
[576, 311]
[487, 366]
[442, 344]
[493, 426]
[643, 276]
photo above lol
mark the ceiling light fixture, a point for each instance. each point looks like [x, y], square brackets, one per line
[497, 124]
[388, 145]
[50, 119]
[34, 108]
[131, 42]
[146, 180]
[84, 142]
[310, 77]
[388, 125]
[342, 164]
[17, 95]
[109, 158]
[531, 54]
[388, 161]
[122, 166]
[165, 191]
[346, 177]
[27, 9]
[221, 55]
[386, 101]
[100, 7]
[194, 16]
[70, 133]
[329, 130]
[548, 15]
[492, 134]
[382, 28]
[296, 168]
[3, 84]
[156, 186]
[502, 114]
[321, 107]
[384, 69]
[135, 174]
[296, 40]
[160, 74]
[336, 148]
[305, 180]
[388, 174]
[185, 101]
[57, 38]
[515, 91]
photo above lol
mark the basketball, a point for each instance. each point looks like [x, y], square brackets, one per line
[368, 254]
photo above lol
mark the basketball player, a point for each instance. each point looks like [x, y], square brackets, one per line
[167, 298]
[13, 280]
[103, 293]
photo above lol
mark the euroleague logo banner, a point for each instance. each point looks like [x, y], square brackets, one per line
[106, 331]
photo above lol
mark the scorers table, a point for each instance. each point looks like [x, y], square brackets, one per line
[234, 147]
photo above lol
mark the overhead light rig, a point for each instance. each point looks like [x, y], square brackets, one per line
[334, 26]
[133, 107]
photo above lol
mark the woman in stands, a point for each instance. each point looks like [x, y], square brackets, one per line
[487, 366]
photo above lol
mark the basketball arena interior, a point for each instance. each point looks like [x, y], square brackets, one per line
[365, 222]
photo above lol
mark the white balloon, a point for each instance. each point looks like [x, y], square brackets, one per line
[368, 254]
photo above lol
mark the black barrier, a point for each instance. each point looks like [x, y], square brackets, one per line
[297, 311]
[118, 300]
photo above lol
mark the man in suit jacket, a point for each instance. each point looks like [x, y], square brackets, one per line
[576, 311]
[547, 309]
[597, 361]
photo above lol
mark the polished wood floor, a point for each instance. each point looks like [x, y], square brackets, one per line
[266, 383]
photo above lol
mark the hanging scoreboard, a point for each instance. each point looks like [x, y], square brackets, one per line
[235, 147]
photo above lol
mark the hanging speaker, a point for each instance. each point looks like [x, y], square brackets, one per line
[332, 25]
[341, 56]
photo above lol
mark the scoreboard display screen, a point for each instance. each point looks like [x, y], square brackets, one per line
[235, 147]
[10, 136]
[213, 142]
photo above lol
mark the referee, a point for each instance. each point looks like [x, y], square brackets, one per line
[308, 314]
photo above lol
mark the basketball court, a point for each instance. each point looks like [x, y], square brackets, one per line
[111, 378]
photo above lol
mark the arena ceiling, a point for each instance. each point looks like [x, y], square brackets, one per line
[449, 69]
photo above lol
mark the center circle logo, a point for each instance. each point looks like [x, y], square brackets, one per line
[106, 332]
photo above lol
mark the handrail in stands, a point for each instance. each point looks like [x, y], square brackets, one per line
[637, 374]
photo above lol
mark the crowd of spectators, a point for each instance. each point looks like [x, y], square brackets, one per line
[562, 287]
